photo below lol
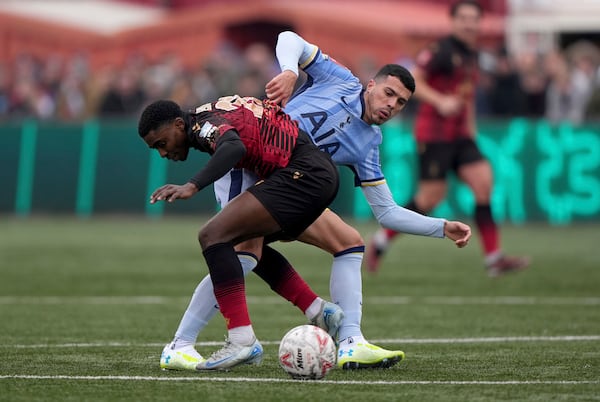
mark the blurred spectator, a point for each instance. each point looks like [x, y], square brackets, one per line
[506, 97]
[223, 68]
[559, 97]
[203, 87]
[125, 96]
[571, 83]
[71, 96]
[533, 84]
[585, 59]
[21, 93]
[51, 75]
[529, 84]
[259, 61]
[96, 88]
[593, 109]
[485, 83]
[159, 79]
[182, 92]
[71, 100]
[250, 83]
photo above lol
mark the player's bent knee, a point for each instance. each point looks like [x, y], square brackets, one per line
[207, 236]
[204, 238]
[345, 239]
[350, 237]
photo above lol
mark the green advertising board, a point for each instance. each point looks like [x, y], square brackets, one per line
[542, 172]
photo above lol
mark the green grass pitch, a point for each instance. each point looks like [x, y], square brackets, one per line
[87, 305]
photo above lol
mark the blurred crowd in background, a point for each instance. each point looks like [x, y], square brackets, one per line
[559, 86]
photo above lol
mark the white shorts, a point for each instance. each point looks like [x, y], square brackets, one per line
[233, 184]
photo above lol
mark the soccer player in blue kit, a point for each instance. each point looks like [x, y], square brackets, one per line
[342, 118]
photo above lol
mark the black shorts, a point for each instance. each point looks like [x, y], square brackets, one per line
[436, 159]
[296, 195]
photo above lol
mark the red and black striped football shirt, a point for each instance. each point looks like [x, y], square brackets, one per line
[268, 133]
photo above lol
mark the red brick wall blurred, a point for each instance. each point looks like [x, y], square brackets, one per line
[351, 31]
[493, 6]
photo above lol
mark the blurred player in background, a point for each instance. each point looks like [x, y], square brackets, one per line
[342, 118]
[446, 75]
[259, 136]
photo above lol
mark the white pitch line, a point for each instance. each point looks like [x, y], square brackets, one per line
[270, 300]
[517, 300]
[100, 300]
[566, 338]
[281, 380]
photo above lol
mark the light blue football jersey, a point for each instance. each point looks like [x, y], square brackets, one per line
[330, 109]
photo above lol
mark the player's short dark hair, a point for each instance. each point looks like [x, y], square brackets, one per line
[457, 4]
[156, 114]
[399, 72]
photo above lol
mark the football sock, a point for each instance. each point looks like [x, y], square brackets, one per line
[487, 229]
[390, 234]
[203, 306]
[382, 237]
[181, 344]
[243, 335]
[492, 258]
[276, 271]
[228, 282]
[314, 308]
[350, 341]
[345, 286]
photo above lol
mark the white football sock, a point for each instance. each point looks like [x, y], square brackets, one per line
[243, 335]
[178, 344]
[493, 257]
[203, 306]
[351, 341]
[380, 239]
[345, 286]
[314, 308]
[185, 347]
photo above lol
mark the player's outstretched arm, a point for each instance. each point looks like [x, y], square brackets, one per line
[392, 216]
[459, 232]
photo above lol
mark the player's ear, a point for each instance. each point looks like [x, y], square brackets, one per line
[179, 123]
[370, 85]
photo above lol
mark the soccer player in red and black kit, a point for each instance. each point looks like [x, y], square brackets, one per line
[297, 182]
[446, 77]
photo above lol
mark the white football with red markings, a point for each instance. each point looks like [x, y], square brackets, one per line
[307, 352]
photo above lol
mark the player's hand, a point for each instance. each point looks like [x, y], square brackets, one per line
[449, 105]
[459, 232]
[171, 192]
[281, 87]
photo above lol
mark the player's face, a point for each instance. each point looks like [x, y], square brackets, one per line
[170, 140]
[466, 24]
[384, 98]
